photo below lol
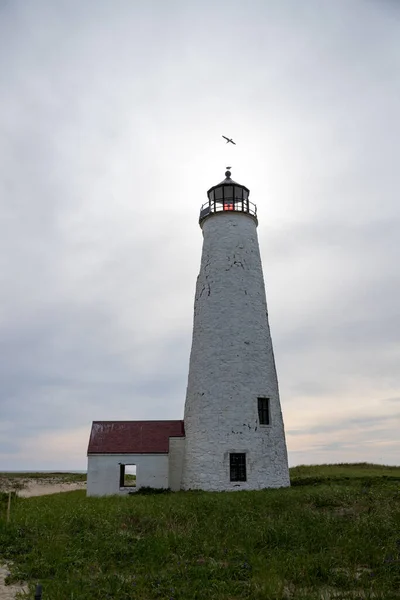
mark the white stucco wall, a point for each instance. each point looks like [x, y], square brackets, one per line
[176, 450]
[104, 472]
[231, 365]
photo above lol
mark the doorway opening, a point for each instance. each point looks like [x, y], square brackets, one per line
[127, 476]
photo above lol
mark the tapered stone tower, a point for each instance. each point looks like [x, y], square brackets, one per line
[235, 436]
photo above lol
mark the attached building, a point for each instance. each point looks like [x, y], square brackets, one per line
[155, 448]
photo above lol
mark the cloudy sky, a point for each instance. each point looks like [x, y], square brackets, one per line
[111, 116]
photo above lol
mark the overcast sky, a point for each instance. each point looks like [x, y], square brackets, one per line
[111, 116]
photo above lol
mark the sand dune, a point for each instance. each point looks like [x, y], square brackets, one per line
[40, 487]
[27, 487]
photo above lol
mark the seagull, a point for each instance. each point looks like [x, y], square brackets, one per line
[229, 140]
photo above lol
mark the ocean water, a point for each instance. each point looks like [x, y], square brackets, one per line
[42, 471]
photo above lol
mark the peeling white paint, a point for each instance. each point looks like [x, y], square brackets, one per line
[231, 365]
[176, 451]
[103, 476]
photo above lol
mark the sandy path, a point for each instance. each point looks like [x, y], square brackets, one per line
[43, 488]
[8, 592]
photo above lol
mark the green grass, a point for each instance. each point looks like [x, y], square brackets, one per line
[343, 472]
[335, 536]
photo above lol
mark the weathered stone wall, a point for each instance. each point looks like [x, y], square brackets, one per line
[231, 365]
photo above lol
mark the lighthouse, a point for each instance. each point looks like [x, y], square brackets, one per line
[234, 431]
[232, 436]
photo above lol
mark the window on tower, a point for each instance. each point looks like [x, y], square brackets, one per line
[237, 467]
[263, 411]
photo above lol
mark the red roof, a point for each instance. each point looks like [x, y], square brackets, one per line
[133, 437]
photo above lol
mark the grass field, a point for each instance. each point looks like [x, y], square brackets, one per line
[334, 534]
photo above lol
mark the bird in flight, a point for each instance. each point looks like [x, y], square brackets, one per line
[229, 140]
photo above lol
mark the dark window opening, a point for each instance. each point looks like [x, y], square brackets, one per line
[263, 411]
[238, 467]
[228, 191]
[127, 476]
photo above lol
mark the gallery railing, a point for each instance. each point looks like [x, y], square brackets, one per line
[235, 205]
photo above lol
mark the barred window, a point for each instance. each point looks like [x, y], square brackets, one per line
[238, 467]
[263, 411]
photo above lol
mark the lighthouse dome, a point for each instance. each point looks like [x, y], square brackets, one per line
[228, 195]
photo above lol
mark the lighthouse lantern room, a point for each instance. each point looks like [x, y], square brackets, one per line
[228, 195]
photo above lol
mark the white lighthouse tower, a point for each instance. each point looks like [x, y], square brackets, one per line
[234, 429]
